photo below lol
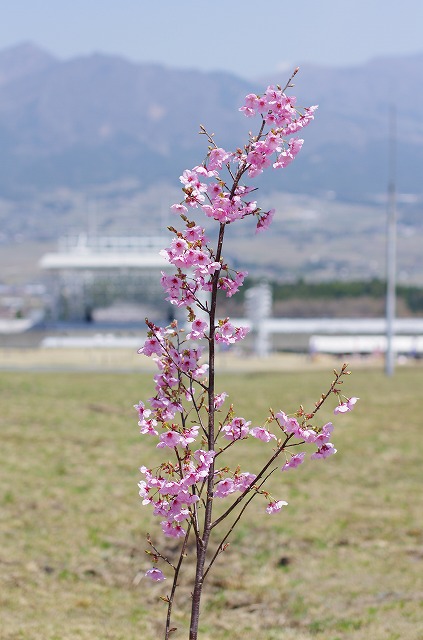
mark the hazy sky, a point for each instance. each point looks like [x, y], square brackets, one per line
[247, 37]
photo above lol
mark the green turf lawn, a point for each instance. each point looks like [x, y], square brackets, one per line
[342, 561]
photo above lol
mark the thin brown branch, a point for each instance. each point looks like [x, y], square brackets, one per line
[254, 482]
[171, 598]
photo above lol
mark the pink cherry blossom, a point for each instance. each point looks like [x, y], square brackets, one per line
[147, 427]
[198, 328]
[294, 461]
[205, 459]
[188, 436]
[274, 507]
[170, 488]
[155, 574]
[243, 481]
[232, 284]
[169, 439]
[219, 399]
[179, 208]
[143, 490]
[172, 530]
[224, 488]
[190, 179]
[262, 434]
[236, 429]
[324, 451]
[142, 411]
[227, 333]
[346, 406]
[325, 434]
[195, 233]
[251, 105]
[265, 220]
[289, 425]
[151, 346]
[217, 157]
[308, 435]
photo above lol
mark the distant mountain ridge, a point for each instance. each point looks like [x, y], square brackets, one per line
[23, 60]
[100, 118]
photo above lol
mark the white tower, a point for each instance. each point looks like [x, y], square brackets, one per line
[258, 301]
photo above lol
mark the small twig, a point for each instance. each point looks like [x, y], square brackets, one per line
[237, 519]
[332, 389]
[288, 84]
[254, 482]
[157, 553]
[170, 599]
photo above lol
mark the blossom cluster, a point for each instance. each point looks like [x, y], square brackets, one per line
[196, 266]
[172, 499]
[205, 187]
[173, 489]
[181, 417]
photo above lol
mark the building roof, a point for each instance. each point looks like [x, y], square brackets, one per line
[83, 252]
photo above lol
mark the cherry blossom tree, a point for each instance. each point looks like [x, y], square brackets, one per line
[188, 417]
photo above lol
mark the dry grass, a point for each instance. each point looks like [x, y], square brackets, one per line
[342, 561]
[127, 360]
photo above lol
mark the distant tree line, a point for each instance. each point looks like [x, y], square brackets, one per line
[338, 289]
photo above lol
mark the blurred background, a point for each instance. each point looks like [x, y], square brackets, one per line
[100, 106]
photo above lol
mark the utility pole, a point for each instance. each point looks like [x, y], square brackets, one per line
[391, 241]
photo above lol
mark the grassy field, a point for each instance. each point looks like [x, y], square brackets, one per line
[342, 561]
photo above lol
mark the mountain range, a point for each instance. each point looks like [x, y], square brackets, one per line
[96, 119]
[95, 144]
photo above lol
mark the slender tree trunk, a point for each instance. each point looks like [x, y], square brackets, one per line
[203, 539]
[198, 588]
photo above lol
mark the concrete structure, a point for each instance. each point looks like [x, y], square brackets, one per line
[364, 344]
[91, 272]
[258, 303]
[338, 335]
[82, 253]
